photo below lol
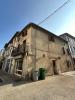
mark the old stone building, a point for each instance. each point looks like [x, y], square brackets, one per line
[34, 48]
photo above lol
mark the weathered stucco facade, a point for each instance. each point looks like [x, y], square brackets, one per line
[48, 52]
[38, 48]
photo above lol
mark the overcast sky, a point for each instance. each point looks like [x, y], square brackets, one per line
[15, 14]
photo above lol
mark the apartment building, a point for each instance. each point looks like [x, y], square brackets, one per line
[34, 48]
[71, 43]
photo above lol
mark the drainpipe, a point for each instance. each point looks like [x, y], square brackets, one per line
[35, 49]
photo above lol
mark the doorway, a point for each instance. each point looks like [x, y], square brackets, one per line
[7, 65]
[54, 67]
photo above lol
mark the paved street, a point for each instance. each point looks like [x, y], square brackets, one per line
[60, 87]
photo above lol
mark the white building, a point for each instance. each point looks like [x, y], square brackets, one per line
[71, 43]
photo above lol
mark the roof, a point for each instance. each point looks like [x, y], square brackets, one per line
[38, 27]
[42, 29]
[69, 35]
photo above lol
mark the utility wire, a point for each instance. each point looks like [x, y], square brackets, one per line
[45, 20]
[54, 12]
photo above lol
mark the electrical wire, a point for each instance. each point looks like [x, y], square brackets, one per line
[55, 11]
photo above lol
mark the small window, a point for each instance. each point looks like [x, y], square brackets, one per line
[24, 33]
[43, 55]
[51, 38]
[63, 50]
[24, 44]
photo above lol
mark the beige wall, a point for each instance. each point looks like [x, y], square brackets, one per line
[46, 51]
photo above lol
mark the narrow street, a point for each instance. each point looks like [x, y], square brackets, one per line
[60, 87]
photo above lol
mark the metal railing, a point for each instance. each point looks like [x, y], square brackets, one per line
[19, 50]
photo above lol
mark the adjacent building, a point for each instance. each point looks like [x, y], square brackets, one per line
[33, 48]
[71, 43]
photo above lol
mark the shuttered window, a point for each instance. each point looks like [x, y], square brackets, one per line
[24, 33]
[51, 38]
[63, 50]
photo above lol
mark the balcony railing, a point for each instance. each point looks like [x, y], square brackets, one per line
[19, 50]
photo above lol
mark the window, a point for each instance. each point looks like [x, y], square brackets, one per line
[43, 55]
[19, 66]
[24, 33]
[51, 38]
[63, 50]
[24, 44]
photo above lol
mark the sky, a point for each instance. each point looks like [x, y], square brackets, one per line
[15, 14]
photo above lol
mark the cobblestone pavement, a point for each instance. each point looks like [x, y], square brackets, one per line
[60, 87]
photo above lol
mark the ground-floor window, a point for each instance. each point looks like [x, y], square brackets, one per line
[74, 61]
[18, 66]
